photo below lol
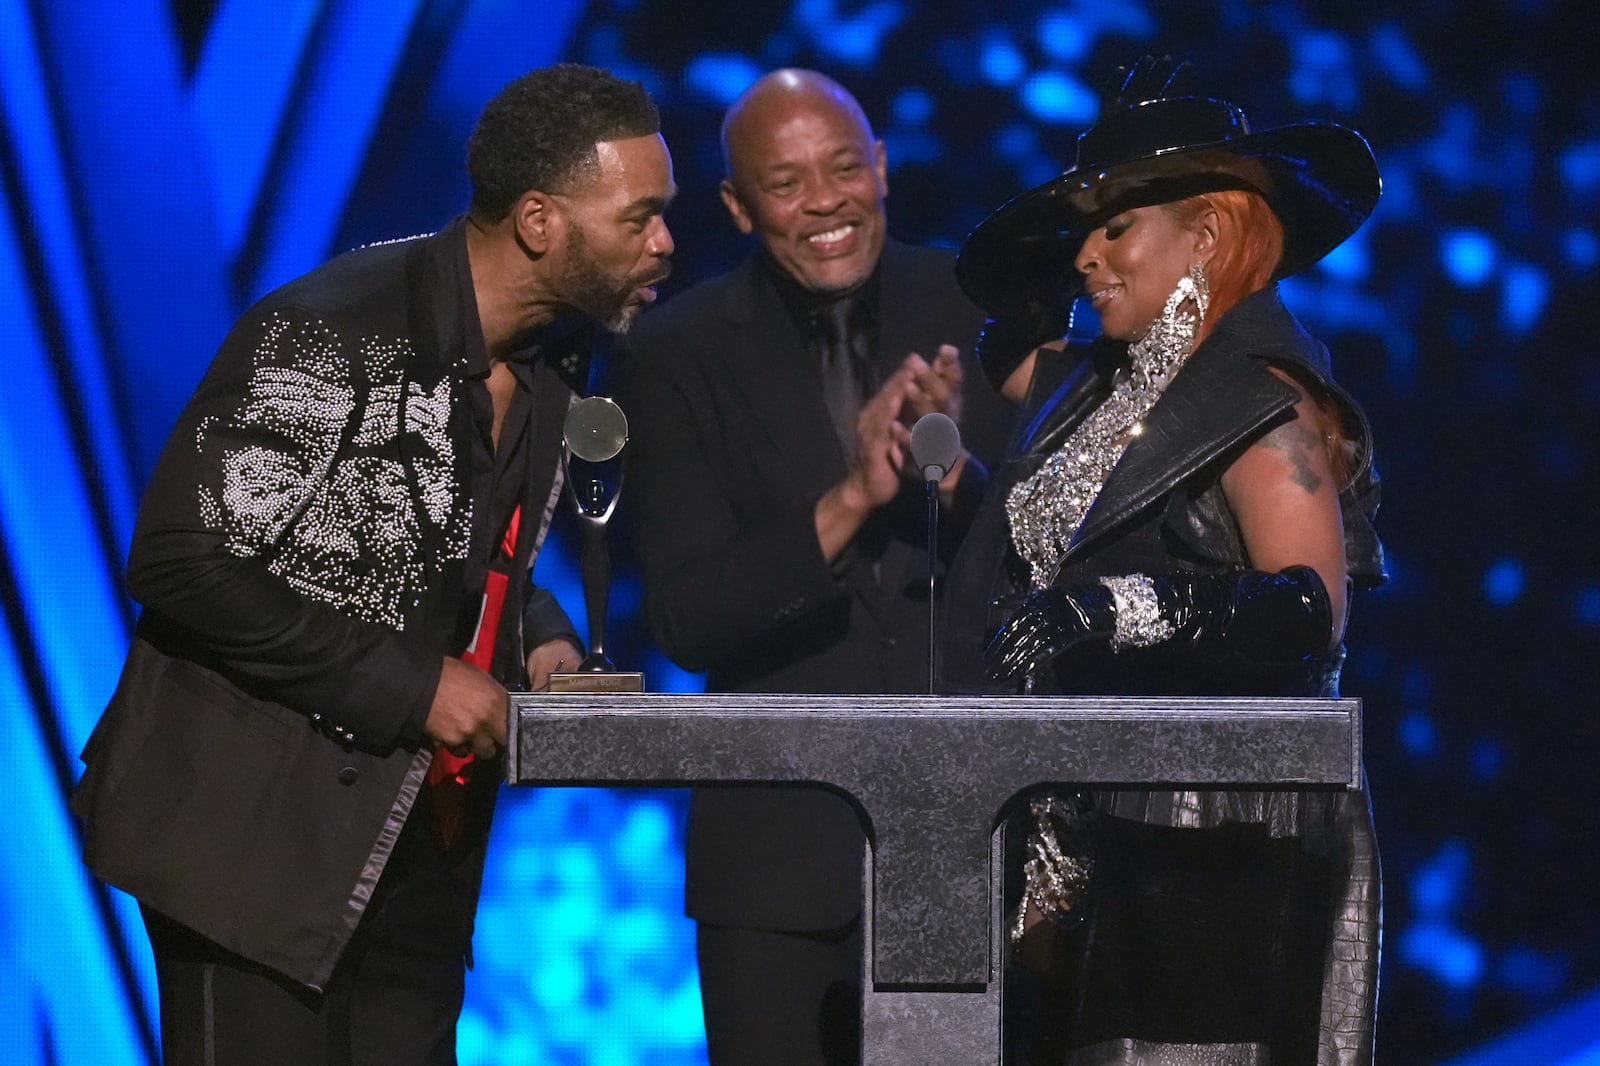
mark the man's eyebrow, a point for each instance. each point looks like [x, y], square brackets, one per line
[655, 204]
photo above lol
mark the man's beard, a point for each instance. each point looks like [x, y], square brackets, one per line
[597, 294]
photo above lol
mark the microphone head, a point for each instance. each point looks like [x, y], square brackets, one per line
[595, 429]
[935, 445]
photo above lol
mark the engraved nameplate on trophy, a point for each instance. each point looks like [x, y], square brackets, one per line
[594, 433]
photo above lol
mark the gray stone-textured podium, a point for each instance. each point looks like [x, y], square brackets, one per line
[931, 776]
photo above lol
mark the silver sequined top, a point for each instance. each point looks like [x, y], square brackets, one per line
[1046, 509]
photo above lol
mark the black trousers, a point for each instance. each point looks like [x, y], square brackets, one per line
[781, 999]
[384, 1006]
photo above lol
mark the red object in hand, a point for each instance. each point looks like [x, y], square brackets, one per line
[448, 773]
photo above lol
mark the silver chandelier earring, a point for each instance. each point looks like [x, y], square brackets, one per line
[1202, 290]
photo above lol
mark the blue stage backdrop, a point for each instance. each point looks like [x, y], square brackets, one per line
[164, 162]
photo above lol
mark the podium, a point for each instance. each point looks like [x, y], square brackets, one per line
[931, 777]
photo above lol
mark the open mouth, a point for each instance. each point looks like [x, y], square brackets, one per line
[647, 287]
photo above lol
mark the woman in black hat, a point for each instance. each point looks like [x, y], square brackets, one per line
[1184, 511]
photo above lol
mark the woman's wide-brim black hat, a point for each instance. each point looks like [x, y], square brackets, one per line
[1319, 178]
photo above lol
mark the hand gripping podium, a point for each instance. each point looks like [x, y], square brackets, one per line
[931, 777]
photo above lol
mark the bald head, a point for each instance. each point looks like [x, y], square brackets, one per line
[769, 96]
[806, 176]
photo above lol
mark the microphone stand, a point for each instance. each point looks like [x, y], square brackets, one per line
[935, 449]
[932, 487]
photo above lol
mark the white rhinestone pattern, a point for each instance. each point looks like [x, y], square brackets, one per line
[341, 528]
[1046, 509]
[1139, 620]
[1054, 877]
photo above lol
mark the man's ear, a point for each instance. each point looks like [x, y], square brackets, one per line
[880, 164]
[735, 206]
[536, 221]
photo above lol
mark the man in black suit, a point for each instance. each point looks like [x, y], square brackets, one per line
[296, 773]
[781, 540]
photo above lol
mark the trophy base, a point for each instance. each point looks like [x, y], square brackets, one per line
[594, 681]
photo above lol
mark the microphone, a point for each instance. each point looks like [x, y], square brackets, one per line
[935, 447]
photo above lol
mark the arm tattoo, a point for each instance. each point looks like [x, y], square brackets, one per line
[1295, 441]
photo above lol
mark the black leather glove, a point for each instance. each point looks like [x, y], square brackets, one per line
[1245, 616]
[1007, 338]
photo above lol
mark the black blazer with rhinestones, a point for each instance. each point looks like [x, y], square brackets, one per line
[299, 556]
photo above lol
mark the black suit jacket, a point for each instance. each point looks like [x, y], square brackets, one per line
[731, 448]
[300, 556]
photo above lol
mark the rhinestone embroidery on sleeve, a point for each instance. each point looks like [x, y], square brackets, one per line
[340, 528]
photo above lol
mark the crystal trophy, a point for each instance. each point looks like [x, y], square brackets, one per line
[593, 437]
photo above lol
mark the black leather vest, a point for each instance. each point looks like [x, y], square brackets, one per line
[1162, 507]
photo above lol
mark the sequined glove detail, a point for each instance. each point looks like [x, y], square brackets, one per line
[1243, 616]
[1139, 620]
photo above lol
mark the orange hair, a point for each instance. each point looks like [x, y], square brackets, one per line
[1249, 249]
[1249, 244]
